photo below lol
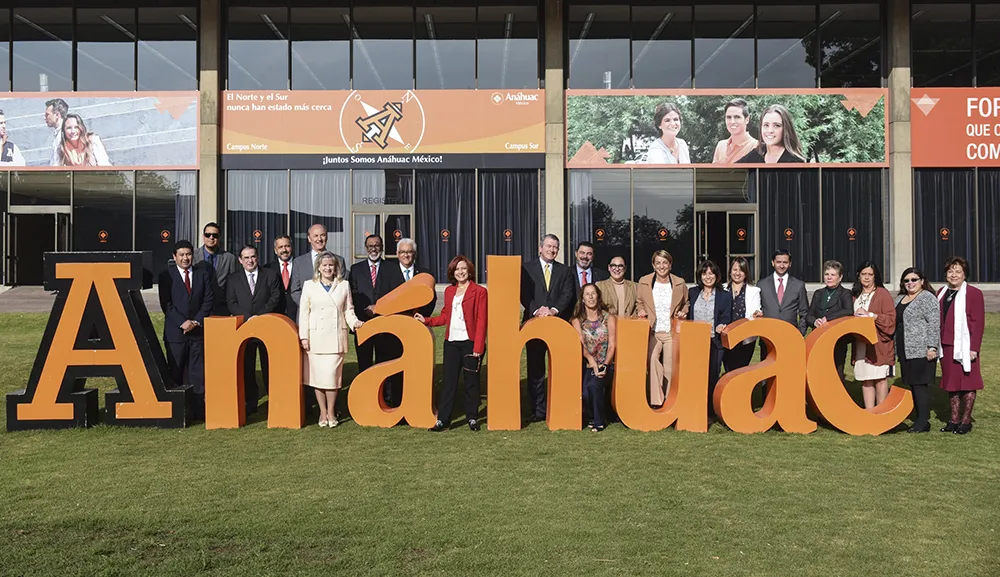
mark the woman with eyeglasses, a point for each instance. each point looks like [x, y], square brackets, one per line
[917, 334]
[873, 362]
[963, 321]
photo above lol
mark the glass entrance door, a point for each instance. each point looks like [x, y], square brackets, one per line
[31, 235]
[392, 226]
[726, 234]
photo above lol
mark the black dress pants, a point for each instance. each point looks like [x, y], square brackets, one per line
[537, 383]
[454, 354]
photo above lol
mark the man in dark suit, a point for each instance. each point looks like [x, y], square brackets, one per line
[304, 266]
[366, 279]
[783, 297]
[283, 268]
[186, 298]
[250, 292]
[222, 264]
[389, 346]
[585, 272]
[546, 290]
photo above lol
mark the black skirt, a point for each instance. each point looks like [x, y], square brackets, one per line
[918, 371]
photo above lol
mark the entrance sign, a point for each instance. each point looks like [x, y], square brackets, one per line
[383, 129]
[955, 127]
[99, 327]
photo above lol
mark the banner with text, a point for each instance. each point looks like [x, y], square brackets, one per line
[382, 129]
[955, 127]
[661, 128]
[95, 130]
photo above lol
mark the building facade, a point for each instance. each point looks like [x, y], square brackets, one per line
[474, 127]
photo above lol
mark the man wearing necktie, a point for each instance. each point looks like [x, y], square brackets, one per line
[304, 266]
[783, 297]
[547, 289]
[222, 264]
[389, 347]
[186, 297]
[585, 271]
[250, 292]
[366, 281]
[283, 267]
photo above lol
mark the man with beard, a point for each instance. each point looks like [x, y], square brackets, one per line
[283, 266]
[585, 272]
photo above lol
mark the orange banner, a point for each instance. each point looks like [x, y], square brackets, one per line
[955, 127]
[355, 128]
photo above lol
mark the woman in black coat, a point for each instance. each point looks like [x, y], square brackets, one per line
[708, 302]
[833, 301]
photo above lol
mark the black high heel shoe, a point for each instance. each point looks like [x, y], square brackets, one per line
[949, 428]
[962, 429]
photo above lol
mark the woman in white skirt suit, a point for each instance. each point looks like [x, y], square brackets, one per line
[326, 313]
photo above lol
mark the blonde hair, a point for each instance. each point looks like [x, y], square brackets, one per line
[337, 273]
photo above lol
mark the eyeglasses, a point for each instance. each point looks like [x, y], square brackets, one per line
[211, 235]
[911, 280]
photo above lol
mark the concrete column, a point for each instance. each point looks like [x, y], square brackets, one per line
[555, 126]
[209, 39]
[900, 169]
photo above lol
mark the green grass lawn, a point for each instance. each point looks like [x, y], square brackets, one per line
[118, 501]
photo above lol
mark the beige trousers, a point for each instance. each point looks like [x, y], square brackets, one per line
[661, 364]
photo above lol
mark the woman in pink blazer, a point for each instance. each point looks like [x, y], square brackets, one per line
[464, 316]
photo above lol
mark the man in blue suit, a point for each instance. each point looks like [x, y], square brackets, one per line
[186, 298]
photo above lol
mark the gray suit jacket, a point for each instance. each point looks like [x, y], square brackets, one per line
[793, 308]
[302, 270]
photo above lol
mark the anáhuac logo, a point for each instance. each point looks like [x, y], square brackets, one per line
[519, 98]
[396, 123]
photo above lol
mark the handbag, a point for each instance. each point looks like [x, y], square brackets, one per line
[472, 363]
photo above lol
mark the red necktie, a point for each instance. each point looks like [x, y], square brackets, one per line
[284, 274]
[374, 274]
[187, 280]
[781, 289]
[583, 276]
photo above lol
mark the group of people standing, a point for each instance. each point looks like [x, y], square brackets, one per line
[327, 300]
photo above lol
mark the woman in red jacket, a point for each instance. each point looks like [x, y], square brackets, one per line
[464, 316]
[963, 321]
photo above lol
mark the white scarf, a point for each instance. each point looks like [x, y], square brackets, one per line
[963, 340]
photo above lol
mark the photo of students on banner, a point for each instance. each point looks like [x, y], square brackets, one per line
[645, 129]
[141, 130]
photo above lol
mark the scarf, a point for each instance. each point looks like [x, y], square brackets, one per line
[963, 340]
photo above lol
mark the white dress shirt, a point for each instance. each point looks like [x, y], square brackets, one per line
[784, 279]
[579, 278]
[251, 280]
[407, 269]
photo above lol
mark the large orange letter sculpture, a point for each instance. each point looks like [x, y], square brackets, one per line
[365, 400]
[783, 369]
[505, 341]
[827, 394]
[225, 343]
[99, 327]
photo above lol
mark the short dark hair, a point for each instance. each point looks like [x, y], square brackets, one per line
[183, 244]
[662, 110]
[248, 246]
[454, 265]
[282, 236]
[211, 224]
[744, 265]
[58, 105]
[371, 236]
[959, 262]
[781, 252]
[737, 103]
[856, 291]
[584, 243]
[707, 266]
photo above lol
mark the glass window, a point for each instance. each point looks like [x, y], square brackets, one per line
[941, 44]
[39, 188]
[258, 48]
[4, 51]
[661, 47]
[383, 47]
[508, 215]
[789, 219]
[105, 49]
[256, 209]
[166, 211]
[168, 49]
[663, 219]
[380, 187]
[600, 209]
[43, 49]
[320, 197]
[508, 47]
[786, 46]
[850, 45]
[987, 35]
[102, 210]
[988, 209]
[321, 48]
[723, 47]
[445, 219]
[599, 47]
[942, 214]
[852, 217]
[446, 47]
